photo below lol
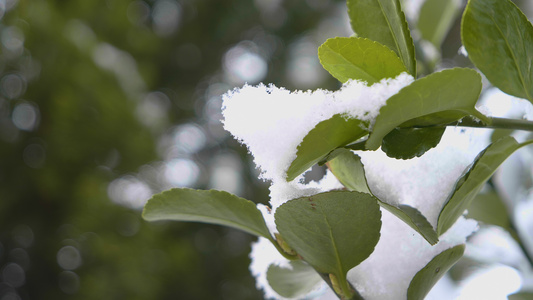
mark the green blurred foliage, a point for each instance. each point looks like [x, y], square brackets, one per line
[74, 79]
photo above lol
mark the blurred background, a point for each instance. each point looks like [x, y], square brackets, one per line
[106, 102]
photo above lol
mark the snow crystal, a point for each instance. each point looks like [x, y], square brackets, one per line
[462, 51]
[399, 255]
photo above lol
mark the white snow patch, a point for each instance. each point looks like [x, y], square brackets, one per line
[263, 255]
[424, 182]
[399, 255]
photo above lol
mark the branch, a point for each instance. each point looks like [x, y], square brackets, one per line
[497, 123]
[355, 296]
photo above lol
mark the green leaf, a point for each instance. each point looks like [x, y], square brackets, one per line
[473, 180]
[498, 133]
[214, 207]
[360, 59]
[499, 41]
[426, 278]
[521, 296]
[436, 18]
[490, 209]
[439, 98]
[295, 282]
[465, 268]
[333, 231]
[383, 21]
[415, 219]
[321, 140]
[349, 170]
[406, 143]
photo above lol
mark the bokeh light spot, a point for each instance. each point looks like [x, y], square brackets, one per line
[189, 138]
[69, 258]
[166, 16]
[138, 12]
[69, 282]
[34, 156]
[129, 191]
[13, 38]
[20, 257]
[13, 86]
[13, 274]
[243, 64]
[152, 110]
[304, 69]
[25, 116]
[181, 172]
[226, 173]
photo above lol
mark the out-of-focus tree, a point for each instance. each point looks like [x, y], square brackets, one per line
[103, 103]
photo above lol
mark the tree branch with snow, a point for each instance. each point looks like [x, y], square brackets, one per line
[406, 157]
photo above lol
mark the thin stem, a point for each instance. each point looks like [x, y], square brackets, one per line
[498, 123]
[494, 122]
[281, 251]
[349, 289]
[355, 295]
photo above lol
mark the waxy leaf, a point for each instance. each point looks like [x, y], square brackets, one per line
[359, 58]
[406, 143]
[439, 98]
[498, 133]
[333, 231]
[415, 219]
[321, 140]
[349, 170]
[383, 21]
[499, 41]
[293, 283]
[436, 18]
[426, 278]
[473, 180]
[490, 209]
[521, 296]
[214, 207]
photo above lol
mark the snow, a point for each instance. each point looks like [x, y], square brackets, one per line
[263, 255]
[496, 103]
